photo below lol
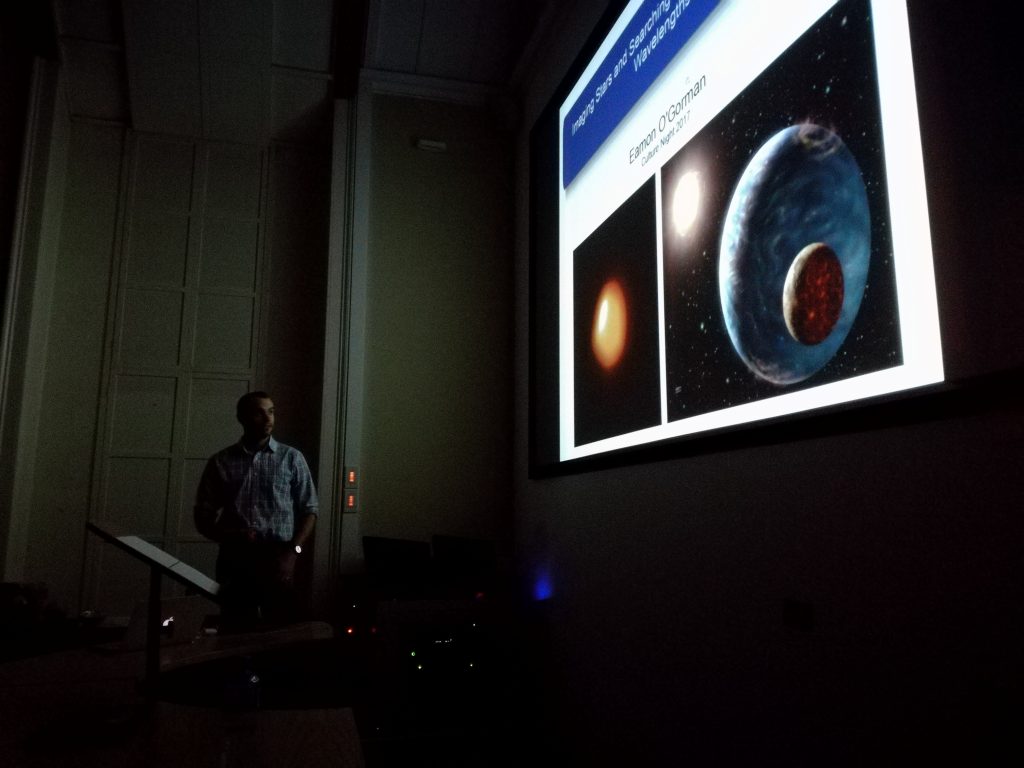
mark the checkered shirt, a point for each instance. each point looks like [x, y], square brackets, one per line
[263, 491]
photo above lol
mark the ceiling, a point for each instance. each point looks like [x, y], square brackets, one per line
[256, 70]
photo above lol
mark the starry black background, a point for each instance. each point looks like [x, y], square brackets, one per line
[828, 76]
[628, 397]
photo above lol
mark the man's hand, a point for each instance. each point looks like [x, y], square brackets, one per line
[286, 566]
[238, 536]
[241, 535]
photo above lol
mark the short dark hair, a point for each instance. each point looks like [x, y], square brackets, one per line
[245, 400]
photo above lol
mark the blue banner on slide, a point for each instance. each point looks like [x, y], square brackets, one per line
[658, 30]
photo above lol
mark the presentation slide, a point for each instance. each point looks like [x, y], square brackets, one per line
[742, 222]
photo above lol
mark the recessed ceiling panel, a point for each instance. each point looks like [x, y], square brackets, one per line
[95, 79]
[301, 107]
[97, 20]
[162, 54]
[450, 40]
[395, 35]
[302, 34]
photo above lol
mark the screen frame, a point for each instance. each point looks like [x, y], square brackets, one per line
[875, 411]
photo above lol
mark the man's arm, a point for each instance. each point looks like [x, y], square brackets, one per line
[208, 503]
[304, 526]
[304, 501]
[209, 508]
[306, 504]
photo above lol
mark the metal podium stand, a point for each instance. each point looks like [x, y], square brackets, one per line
[160, 564]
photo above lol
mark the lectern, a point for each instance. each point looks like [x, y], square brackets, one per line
[160, 563]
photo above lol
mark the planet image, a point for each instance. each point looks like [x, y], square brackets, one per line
[799, 210]
[608, 334]
[813, 295]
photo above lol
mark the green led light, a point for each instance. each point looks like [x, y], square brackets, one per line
[413, 654]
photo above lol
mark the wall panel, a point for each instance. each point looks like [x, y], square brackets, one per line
[157, 249]
[142, 414]
[186, 335]
[438, 368]
[73, 384]
[224, 333]
[229, 255]
[151, 328]
[137, 494]
[155, 323]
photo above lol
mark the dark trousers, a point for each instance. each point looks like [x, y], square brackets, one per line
[251, 592]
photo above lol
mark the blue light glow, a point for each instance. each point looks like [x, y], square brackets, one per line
[542, 586]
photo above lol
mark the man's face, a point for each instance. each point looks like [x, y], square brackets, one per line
[259, 419]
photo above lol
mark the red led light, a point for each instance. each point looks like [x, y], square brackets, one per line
[350, 501]
[350, 631]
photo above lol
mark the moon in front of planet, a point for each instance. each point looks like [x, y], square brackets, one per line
[813, 295]
[609, 331]
[803, 188]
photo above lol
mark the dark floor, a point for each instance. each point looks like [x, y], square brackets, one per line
[430, 684]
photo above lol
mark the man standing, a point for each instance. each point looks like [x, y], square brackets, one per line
[256, 499]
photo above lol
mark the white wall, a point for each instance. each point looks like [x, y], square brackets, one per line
[62, 463]
[31, 283]
[434, 405]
